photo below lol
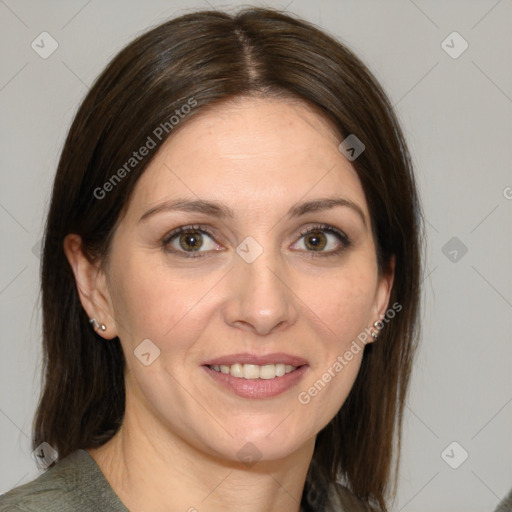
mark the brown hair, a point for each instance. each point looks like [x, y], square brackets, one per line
[213, 56]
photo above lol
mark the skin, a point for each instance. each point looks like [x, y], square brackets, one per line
[178, 445]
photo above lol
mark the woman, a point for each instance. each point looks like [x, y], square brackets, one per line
[230, 279]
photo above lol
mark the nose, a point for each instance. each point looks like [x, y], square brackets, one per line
[260, 297]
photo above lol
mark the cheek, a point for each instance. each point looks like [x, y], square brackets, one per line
[340, 314]
[325, 392]
[156, 302]
[344, 304]
[144, 299]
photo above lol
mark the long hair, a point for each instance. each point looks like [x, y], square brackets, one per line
[201, 59]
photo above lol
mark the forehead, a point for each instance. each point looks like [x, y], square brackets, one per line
[250, 153]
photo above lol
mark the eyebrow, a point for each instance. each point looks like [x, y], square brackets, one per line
[222, 211]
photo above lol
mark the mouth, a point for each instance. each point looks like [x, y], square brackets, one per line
[252, 376]
[254, 371]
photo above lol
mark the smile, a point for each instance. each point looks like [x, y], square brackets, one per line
[254, 371]
[261, 381]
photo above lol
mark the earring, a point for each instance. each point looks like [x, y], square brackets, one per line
[373, 333]
[97, 325]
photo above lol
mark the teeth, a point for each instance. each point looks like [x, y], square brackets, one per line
[253, 371]
[237, 370]
[267, 371]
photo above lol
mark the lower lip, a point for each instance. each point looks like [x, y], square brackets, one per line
[258, 388]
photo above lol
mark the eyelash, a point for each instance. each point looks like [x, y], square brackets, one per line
[342, 237]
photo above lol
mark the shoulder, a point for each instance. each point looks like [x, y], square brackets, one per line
[74, 483]
[55, 490]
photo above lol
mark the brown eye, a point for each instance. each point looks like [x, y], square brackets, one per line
[316, 240]
[324, 240]
[191, 240]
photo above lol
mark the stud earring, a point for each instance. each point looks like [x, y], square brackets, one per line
[373, 333]
[97, 326]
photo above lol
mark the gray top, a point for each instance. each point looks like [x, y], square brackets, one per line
[77, 484]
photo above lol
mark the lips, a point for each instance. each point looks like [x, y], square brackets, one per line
[257, 388]
[260, 360]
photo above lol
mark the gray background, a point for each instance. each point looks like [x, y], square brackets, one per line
[456, 113]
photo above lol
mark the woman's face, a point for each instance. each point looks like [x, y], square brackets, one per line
[248, 283]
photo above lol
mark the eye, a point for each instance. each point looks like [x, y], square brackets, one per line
[189, 239]
[323, 239]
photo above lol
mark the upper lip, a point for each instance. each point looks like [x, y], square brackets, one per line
[259, 360]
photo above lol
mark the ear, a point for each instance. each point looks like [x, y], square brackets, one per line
[383, 292]
[92, 287]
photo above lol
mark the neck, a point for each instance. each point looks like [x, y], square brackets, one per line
[150, 470]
